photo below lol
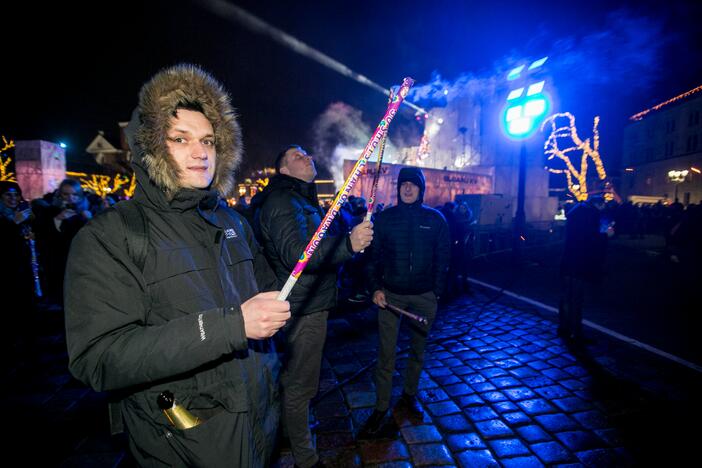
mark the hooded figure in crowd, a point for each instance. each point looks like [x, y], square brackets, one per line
[408, 269]
[189, 320]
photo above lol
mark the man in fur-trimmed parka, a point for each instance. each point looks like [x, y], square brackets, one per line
[190, 320]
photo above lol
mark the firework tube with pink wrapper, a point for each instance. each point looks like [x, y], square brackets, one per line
[371, 197]
[416, 317]
[346, 188]
[376, 176]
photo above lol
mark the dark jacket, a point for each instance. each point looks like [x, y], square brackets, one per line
[585, 246]
[17, 285]
[53, 244]
[177, 325]
[287, 215]
[410, 248]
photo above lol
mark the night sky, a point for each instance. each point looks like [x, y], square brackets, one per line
[71, 70]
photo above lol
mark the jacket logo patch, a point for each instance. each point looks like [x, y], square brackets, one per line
[201, 325]
[230, 233]
[424, 227]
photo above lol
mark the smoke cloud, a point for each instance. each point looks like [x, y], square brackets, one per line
[339, 133]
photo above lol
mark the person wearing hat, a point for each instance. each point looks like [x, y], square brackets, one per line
[408, 269]
[185, 324]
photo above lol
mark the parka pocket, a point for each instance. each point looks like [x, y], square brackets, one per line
[224, 440]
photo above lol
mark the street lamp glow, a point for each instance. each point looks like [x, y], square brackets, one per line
[513, 113]
[62, 144]
[678, 176]
[522, 116]
[536, 88]
[524, 111]
[515, 93]
[538, 63]
[535, 108]
[515, 72]
[520, 127]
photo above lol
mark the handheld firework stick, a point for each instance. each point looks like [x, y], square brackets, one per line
[418, 318]
[346, 188]
[376, 176]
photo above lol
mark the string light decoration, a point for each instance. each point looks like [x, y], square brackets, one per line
[643, 113]
[576, 177]
[104, 185]
[129, 191]
[5, 160]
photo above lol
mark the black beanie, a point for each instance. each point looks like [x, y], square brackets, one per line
[414, 175]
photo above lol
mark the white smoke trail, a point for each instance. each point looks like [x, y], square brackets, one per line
[257, 25]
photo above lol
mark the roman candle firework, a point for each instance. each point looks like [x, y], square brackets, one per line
[343, 195]
[376, 176]
[416, 317]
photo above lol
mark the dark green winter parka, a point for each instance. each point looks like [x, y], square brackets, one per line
[177, 325]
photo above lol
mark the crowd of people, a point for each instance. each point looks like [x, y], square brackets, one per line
[172, 299]
[679, 225]
[36, 237]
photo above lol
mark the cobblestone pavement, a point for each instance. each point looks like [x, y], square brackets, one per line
[499, 389]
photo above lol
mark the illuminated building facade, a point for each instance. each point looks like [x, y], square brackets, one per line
[661, 144]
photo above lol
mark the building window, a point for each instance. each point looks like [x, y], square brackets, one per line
[691, 143]
[669, 148]
[693, 118]
[670, 126]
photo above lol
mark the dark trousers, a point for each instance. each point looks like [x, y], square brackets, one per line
[570, 310]
[388, 327]
[304, 342]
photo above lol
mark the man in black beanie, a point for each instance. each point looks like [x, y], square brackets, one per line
[410, 258]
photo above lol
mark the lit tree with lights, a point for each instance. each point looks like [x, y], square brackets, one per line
[587, 150]
[129, 191]
[104, 185]
[5, 160]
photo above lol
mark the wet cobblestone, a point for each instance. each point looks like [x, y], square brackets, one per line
[507, 394]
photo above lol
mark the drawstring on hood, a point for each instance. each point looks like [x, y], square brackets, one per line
[159, 98]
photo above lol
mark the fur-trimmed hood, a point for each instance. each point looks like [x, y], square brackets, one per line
[158, 100]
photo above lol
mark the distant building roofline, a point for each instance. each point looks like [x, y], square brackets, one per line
[643, 113]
